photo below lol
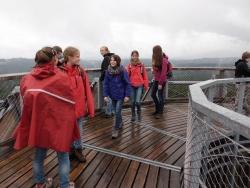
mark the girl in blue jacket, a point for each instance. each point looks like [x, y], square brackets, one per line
[118, 88]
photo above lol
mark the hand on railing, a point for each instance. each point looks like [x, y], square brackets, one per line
[147, 91]
[126, 99]
[92, 85]
[106, 99]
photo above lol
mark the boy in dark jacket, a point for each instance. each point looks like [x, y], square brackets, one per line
[105, 62]
[243, 70]
[117, 87]
[107, 108]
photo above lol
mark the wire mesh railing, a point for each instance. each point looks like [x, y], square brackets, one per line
[218, 135]
[177, 87]
[233, 96]
[10, 107]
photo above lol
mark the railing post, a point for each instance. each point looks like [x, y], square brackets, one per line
[211, 94]
[193, 155]
[240, 100]
[188, 156]
[99, 93]
[240, 96]
[222, 89]
[166, 90]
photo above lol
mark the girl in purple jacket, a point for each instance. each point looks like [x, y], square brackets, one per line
[159, 64]
[117, 87]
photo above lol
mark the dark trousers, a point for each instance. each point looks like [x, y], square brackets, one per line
[159, 98]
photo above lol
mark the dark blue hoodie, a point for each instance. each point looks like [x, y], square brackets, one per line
[117, 86]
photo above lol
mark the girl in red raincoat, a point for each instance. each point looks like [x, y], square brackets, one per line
[48, 116]
[82, 92]
[138, 79]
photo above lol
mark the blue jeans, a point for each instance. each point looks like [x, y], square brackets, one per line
[159, 101]
[77, 144]
[117, 106]
[136, 93]
[64, 167]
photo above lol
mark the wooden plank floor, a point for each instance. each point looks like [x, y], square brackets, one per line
[104, 170]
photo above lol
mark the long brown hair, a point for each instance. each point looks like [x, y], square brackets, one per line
[137, 53]
[45, 55]
[157, 56]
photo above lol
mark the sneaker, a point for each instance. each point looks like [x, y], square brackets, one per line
[133, 119]
[108, 116]
[115, 134]
[71, 185]
[79, 155]
[154, 113]
[121, 125]
[71, 154]
[158, 116]
[47, 184]
[139, 116]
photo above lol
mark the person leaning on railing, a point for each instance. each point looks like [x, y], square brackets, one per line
[242, 69]
[48, 116]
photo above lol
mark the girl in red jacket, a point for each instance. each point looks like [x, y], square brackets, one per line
[82, 92]
[139, 79]
[48, 116]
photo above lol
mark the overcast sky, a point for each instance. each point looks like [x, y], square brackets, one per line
[184, 28]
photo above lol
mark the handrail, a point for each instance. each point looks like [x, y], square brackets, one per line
[237, 122]
[217, 134]
[19, 75]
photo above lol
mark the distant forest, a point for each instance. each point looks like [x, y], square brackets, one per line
[17, 65]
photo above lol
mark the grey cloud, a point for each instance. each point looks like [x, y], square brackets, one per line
[28, 25]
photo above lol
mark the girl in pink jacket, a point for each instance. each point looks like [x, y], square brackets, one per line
[159, 64]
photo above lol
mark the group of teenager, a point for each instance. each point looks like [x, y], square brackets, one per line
[57, 98]
[121, 84]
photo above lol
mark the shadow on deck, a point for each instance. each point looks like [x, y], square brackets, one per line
[105, 170]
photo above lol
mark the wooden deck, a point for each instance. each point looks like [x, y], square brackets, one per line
[104, 170]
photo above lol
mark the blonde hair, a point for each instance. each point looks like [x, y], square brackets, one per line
[105, 48]
[70, 51]
[245, 55]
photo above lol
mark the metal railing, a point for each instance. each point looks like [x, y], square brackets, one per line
[176, 89]
[218, 134]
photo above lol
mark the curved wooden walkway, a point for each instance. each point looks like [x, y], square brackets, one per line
[104, 170]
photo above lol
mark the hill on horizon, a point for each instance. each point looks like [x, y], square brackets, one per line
[16, 65]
